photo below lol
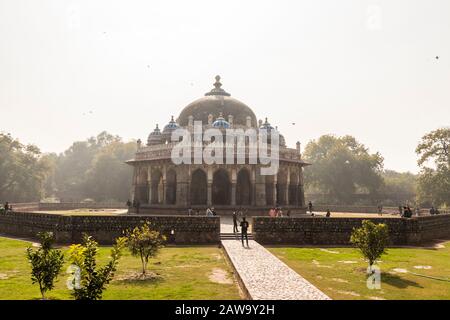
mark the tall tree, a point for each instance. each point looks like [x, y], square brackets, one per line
[434, 161]
[23, 170]
[341, 167]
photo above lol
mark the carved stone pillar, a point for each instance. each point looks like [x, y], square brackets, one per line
[233, 193]
[260, 189]
[209, 196]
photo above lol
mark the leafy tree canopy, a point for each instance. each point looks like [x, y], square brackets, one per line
[341, 167]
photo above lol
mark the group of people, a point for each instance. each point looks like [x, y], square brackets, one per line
[434, 211]
[311, 212]
[278, 212]
[210, 212]
[135, 204]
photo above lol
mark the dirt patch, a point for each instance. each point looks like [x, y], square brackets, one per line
[339, 280]
[217, 256]
[423, 267]
[348, 261]
[3, 276]
[347, 293]
[138, 276]
[329, 251]
[220, 276]
[318, 265]
[376, 298]
[399, 270]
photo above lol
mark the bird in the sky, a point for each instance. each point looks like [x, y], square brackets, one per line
[437, 57]
[293, 123]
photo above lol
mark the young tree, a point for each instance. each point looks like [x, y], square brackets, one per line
[46, 263]
[144, 243]
[371, 239]
[93, 280]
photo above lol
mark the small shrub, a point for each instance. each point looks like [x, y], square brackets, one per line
[371, 239]
[46, 263]
[93, 280]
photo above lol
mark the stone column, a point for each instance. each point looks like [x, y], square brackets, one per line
[300, 191]
[149, 184]
[233, 187]
[209, 196]
[274, 189]
[210, 181]
[288, 184]
[183, 196]
[260, 189]
[253, 191]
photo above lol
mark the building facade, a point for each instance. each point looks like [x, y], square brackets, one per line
[159, 185]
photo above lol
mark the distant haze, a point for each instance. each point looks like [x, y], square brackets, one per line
[377, 70]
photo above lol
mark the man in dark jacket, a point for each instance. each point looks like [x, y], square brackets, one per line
[244, 228]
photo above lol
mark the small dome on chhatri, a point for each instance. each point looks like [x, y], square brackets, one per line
[221, 122]
[171, 126]
[266, 125]
[155, 137]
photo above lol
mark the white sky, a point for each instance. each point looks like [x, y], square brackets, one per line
[365, 68]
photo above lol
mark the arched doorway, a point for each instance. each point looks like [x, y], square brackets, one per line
[157, 187]
[171, 188]
[199, 188]
[243, 188]
[221, 189]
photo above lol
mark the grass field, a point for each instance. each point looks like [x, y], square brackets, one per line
[340, 272]
[182, 273]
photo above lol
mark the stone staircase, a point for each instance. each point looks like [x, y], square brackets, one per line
[234, 236]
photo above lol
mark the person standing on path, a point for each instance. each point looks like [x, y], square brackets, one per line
[244, 228]
[310, 208]
[235, 225]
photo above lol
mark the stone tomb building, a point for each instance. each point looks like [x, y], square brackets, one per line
[160, 186]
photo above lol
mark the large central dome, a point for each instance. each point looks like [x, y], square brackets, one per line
[214, 103]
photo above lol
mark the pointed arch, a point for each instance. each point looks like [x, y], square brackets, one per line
[171, 186]
[199, 187]
[221, 188]
[243, 188]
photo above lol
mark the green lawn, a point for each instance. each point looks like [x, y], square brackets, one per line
[183, 273]
[340, 272]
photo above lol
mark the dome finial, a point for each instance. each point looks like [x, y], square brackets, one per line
[217, 91]
[171, 119]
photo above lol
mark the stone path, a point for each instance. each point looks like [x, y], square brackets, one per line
[266, 277]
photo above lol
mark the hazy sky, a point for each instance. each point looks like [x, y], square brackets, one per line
[365, 68]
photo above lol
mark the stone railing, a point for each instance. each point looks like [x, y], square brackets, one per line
[104, 229]
[44, 206]
[337, 231]
[164, 151]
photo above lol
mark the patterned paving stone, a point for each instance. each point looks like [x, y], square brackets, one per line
[266, 277]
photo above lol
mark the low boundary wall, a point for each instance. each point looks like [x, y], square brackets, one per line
[337, 231]
[104, 229]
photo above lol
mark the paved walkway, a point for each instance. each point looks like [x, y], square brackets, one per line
[265, 276]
